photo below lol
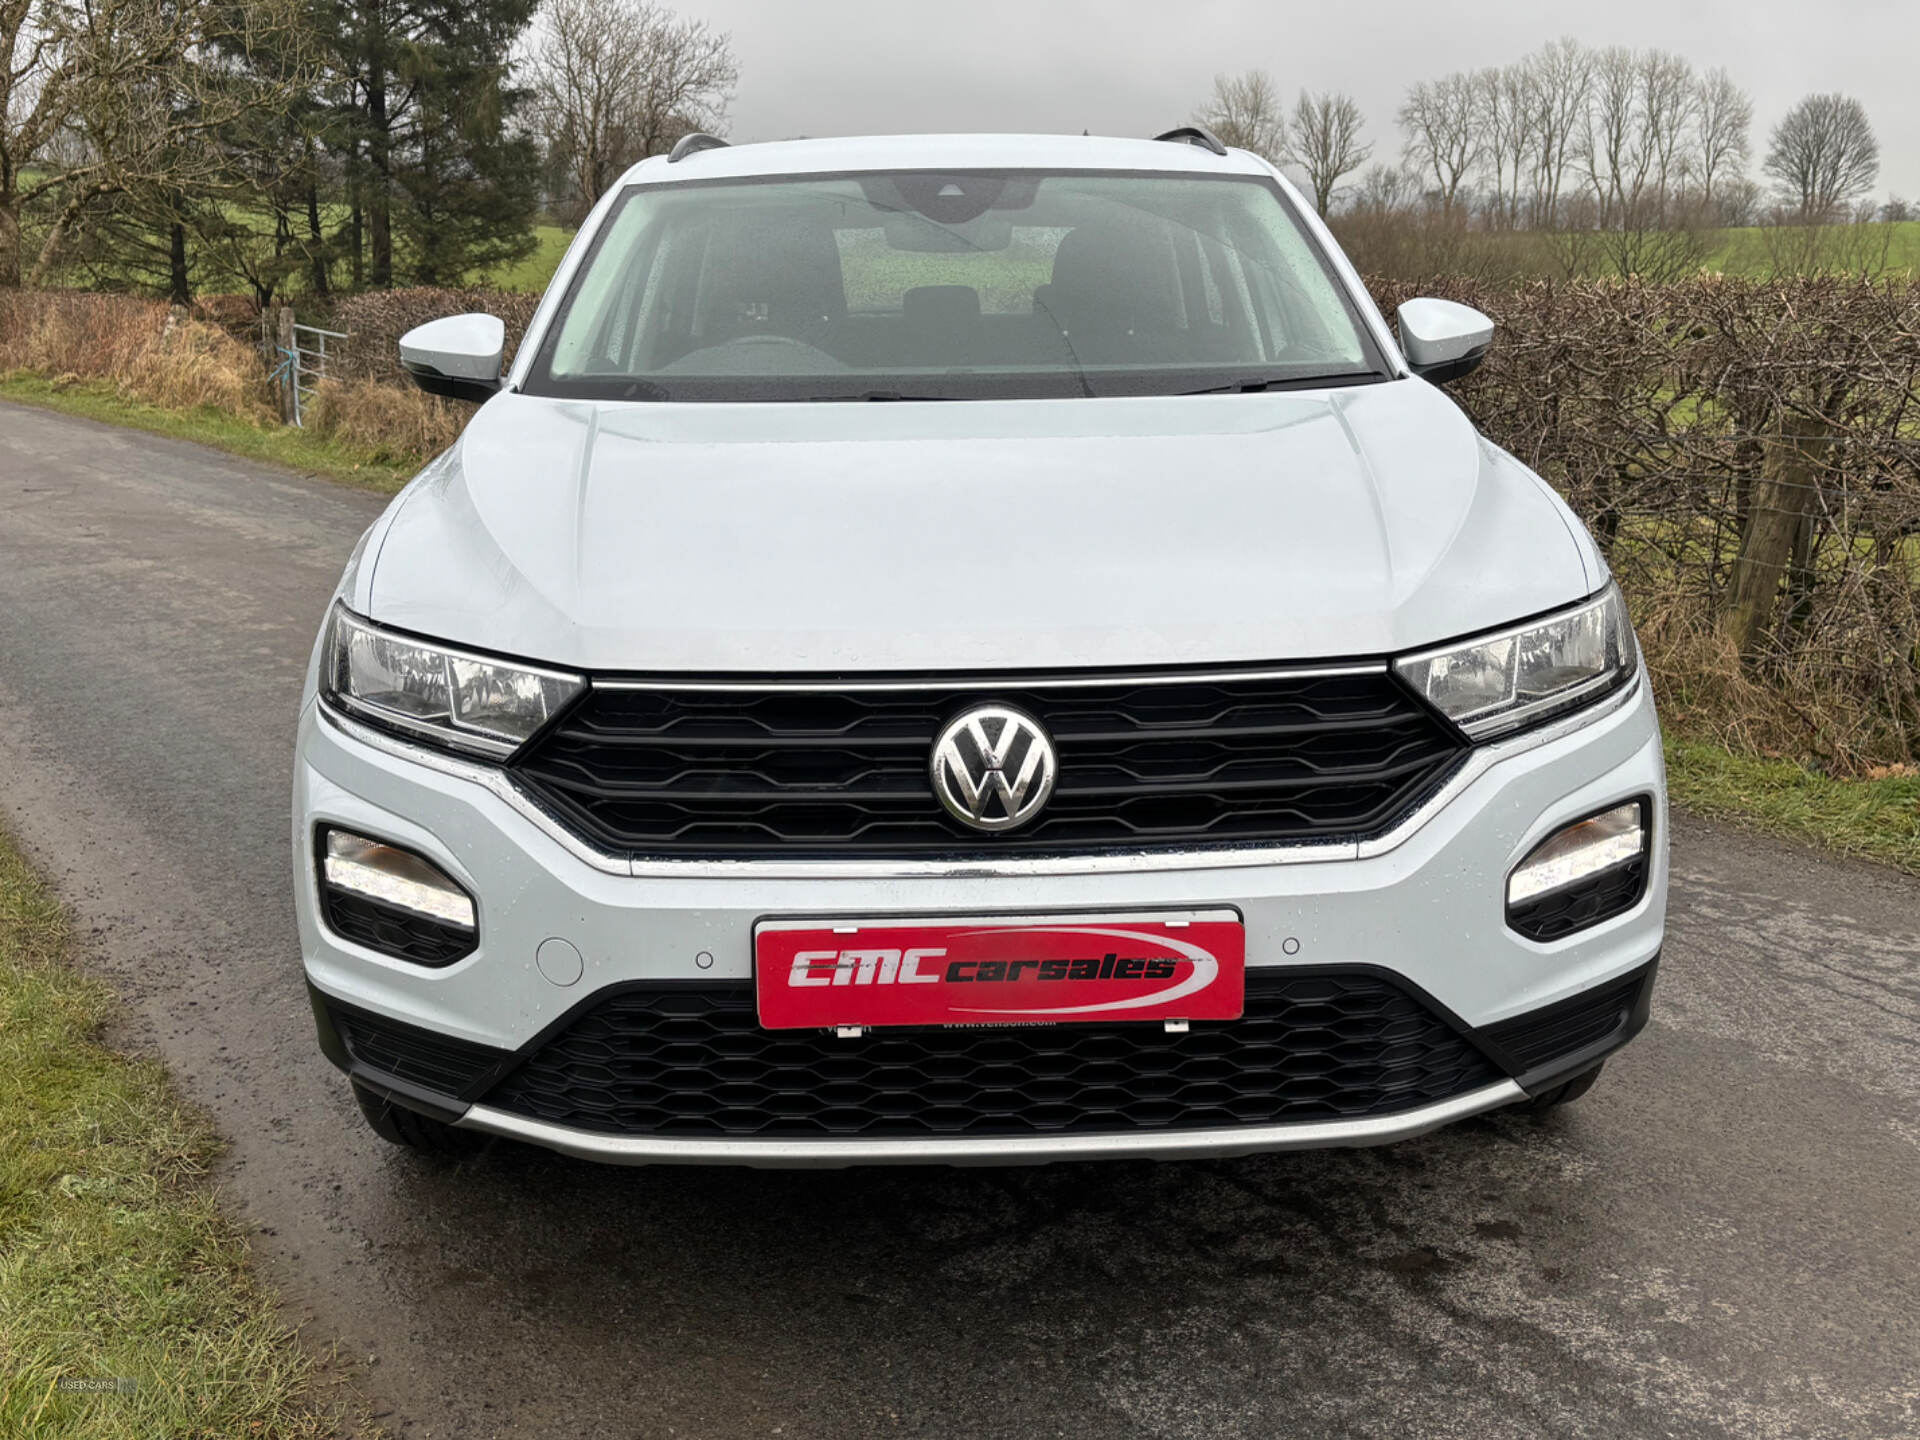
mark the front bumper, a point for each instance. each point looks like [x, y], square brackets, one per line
[1426, 906]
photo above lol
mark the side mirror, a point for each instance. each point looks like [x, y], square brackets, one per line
[1443, 341]
[458, 357]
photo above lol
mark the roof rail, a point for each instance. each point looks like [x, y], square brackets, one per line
[1195, 135]
[696, 142]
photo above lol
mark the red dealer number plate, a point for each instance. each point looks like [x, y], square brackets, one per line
[1029, 970]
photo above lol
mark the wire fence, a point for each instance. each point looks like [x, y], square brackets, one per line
[299, 361]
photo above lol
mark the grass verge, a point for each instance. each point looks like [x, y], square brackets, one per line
[278, 445]
[115, 1262]
[1874, 819]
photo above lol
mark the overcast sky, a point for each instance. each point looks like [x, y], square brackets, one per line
[1131, 67]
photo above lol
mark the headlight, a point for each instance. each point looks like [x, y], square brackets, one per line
[1501, 682]
[461, 700]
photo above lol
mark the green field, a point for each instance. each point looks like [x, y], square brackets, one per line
[1744, 252]
[532, 273]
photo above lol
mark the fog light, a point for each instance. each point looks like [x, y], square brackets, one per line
[1581, 851]
[394, 877]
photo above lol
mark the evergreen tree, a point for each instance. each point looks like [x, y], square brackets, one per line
[423, 109]
[466, 187]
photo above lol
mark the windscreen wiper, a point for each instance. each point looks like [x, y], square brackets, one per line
[875, 395]
[1254, 384]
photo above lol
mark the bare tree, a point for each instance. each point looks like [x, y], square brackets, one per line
[1326, 142]
[1246, 111]
[1635, 214]
[1669, 97]
[1560, 81]
[618, 80]
[1722, 118]
[1824, 156]
[1441, 121]
[1508, 106]
[1605, 151]
[1643, 103]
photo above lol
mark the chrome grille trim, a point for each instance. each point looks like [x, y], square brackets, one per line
[1013, 680]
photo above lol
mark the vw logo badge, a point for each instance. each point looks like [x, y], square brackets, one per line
[993, 768]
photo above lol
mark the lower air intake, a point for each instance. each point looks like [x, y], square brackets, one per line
[693, 1062]
[420, 1057]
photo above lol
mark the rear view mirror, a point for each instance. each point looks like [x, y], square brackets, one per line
[1443, 340]
[458, 357]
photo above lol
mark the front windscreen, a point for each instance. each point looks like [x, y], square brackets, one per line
[907, 285]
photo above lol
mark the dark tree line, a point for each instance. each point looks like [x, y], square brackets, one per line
[172, 145]
[176, 146]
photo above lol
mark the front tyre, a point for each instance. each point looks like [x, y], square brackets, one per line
[411, 1130]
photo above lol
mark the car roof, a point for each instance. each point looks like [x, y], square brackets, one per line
[944, 152]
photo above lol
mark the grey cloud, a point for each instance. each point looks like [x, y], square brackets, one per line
[832, 67]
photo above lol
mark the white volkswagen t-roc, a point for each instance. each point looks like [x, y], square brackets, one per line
[970, 648]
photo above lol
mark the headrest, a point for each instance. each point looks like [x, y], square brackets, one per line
[1117, 273]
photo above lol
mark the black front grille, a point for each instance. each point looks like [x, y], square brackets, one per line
[739, 773]
[693, 1062]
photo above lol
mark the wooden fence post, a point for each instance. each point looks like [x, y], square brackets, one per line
[1784, 500]
[284, 363]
